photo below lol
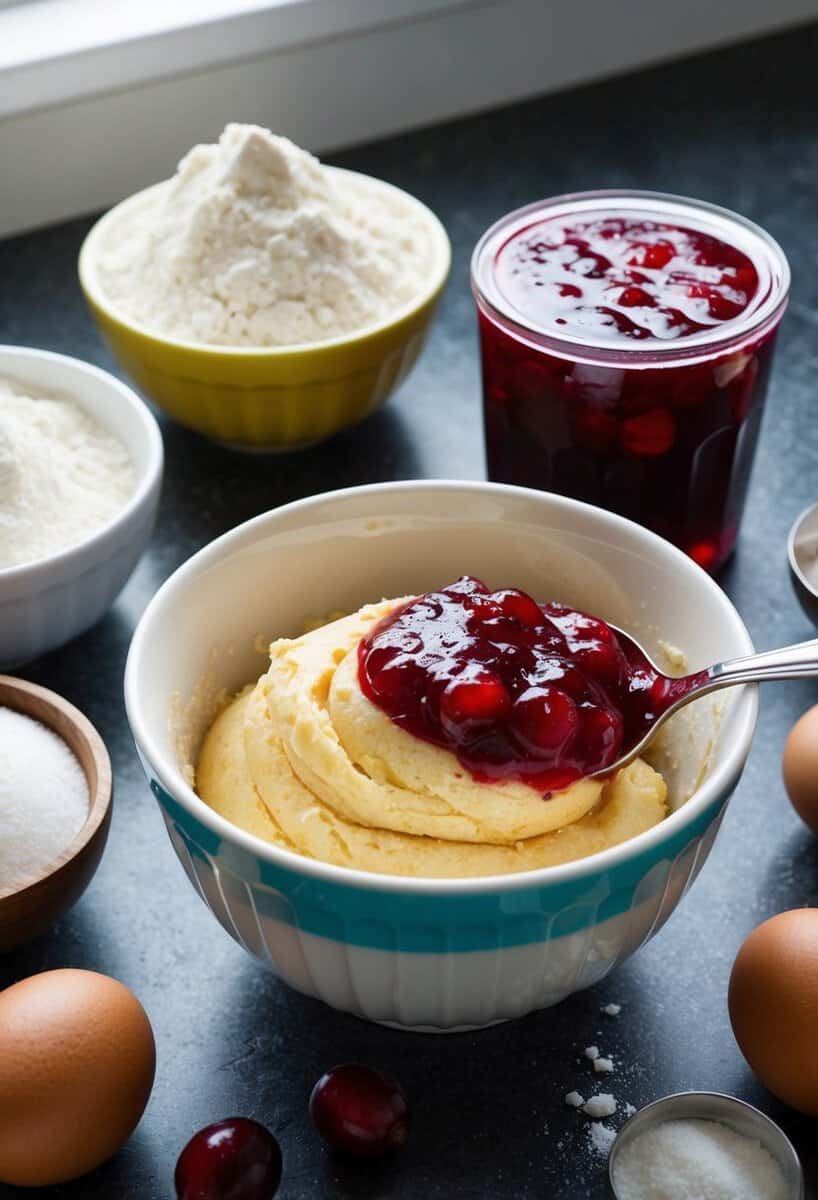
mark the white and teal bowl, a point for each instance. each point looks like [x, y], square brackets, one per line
[429, 953]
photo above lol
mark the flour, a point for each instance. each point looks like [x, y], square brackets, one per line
[255, 243]
[43, 797]
[62, 476]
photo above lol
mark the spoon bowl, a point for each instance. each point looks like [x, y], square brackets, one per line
[666, 694]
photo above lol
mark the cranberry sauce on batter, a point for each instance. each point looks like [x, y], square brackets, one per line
[517, 690]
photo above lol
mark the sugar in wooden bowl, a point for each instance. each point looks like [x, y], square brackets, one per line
[55, 806]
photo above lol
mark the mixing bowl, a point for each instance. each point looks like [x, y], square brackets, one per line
[432, 954]
[274, 398]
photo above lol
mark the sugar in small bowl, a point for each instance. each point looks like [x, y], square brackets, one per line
[55, 805]
[703, 1144]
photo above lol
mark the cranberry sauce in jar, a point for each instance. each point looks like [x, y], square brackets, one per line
[626, 342]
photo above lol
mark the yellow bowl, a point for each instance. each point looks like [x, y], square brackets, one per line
[267, 398]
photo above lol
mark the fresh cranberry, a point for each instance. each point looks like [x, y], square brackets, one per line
[236, 1159]
[359, 1111]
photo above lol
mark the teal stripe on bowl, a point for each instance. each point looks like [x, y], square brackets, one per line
[432, 923]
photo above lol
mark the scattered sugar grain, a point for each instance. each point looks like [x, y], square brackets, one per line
[697, 1160]
[600, 1138]
[592, 1052]
[612, 1010]
[603, 1066]
[43, 797]
[574, 1100]
[602, 1105]
[628, 1110]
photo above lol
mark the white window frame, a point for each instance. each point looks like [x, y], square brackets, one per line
[99, 98]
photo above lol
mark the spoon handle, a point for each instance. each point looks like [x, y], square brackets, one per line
[790, 662]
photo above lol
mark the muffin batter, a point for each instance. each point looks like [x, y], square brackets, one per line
[306, 761]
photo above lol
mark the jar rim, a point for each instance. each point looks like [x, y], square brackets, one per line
[762, 313]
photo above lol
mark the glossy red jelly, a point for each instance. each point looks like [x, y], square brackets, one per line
[518, 690]
[626, 348]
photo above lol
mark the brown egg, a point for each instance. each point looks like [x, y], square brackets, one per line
[76, 1068]
[800, 767]
[773, 1001]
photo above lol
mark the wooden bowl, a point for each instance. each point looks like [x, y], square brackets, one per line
[37, 902]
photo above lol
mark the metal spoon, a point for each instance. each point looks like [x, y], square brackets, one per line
[790, 662]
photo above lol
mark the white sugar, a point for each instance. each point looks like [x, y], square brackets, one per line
[603, 1066]
[602, 1105]
[592, 1052]
[696, 1160]
[43, 798]
[600, 1138]
[574, 1100]
[612, 1010]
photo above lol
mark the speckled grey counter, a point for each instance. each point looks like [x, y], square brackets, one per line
[739, 128]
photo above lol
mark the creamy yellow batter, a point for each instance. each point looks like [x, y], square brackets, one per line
[306, 761]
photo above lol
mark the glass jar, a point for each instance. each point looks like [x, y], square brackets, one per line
[627, 340]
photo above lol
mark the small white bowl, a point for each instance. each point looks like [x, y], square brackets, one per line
[47, 602]
[433, 953]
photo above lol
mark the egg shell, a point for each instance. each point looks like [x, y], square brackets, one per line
[77, 1061]
[799, 766]
[773, 1003]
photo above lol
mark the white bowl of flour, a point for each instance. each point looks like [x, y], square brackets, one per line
[80, 473]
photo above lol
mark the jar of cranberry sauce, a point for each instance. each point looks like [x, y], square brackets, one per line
[627, 339]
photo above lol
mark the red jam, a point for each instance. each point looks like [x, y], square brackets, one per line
[619, 277]
[516, 689]
[626, 355]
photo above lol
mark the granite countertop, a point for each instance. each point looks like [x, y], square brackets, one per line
[736, 127]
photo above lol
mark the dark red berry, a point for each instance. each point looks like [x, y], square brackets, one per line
[595, 429]
[636, 297]
[482, 701]
[235, 1159]
[519, 607]
[545, 719]
[650, 434]
[359, 1111]
[652, 256]
[604, 661]
[704, 553]
[601, 733]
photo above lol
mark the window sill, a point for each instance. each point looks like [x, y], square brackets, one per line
[99, 100]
